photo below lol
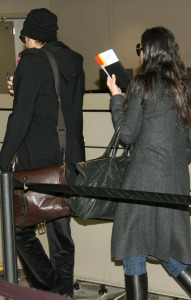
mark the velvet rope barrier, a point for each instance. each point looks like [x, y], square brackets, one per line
[115, 194]
[17, 292]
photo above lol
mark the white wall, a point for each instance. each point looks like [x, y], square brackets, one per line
[21, 6]
[91, 27]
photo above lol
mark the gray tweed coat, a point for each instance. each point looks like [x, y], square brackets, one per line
[159, 163]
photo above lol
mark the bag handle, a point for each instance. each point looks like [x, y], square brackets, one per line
[114, 142]
[113, 139]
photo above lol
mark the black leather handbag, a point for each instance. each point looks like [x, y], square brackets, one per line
[105, 171]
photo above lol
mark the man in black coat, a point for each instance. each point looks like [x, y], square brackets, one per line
[32, 134]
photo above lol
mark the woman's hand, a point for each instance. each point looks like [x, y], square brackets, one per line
[111, 83]
[10, 85]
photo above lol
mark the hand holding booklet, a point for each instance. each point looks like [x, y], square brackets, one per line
[110, 63]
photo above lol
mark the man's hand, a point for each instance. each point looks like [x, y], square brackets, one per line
[10, 85]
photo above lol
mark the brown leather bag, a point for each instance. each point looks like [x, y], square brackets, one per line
[33, 208]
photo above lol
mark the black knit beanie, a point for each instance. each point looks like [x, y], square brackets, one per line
[41, 25]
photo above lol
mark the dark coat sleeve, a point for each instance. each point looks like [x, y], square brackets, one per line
[129, 120]
[26, 86]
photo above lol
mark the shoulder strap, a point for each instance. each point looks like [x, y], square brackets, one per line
[61, 128]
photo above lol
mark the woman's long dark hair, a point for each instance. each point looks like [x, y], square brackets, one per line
[161, 54]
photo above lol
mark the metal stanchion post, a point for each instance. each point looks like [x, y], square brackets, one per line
[8, 228]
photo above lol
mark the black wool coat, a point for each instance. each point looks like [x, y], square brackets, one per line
[31, 128]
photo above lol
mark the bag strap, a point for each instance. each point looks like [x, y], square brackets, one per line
[61, 128]
[113, 144]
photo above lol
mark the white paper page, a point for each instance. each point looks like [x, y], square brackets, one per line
[109, 57]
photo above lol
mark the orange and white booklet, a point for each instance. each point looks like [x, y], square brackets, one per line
[110, 63]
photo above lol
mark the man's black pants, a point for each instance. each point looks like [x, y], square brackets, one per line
[54, 274]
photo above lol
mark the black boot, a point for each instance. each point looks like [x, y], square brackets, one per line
[185, 279]
[136, 287]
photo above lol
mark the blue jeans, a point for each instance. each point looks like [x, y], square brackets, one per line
[137, 266]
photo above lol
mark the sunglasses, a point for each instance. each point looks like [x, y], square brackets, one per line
[22, 38]
[138, 49]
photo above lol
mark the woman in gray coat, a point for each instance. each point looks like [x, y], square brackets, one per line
[156, 119]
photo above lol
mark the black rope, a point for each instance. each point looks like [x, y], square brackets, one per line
[114, 194]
